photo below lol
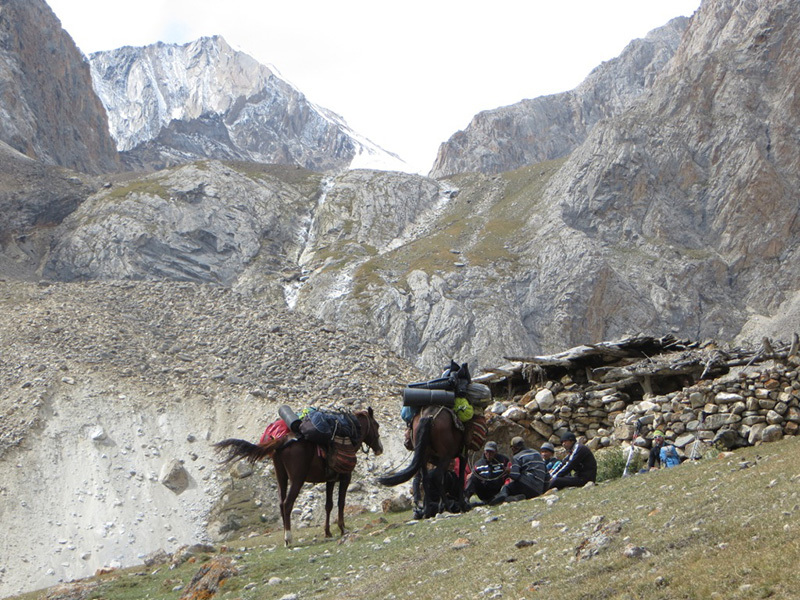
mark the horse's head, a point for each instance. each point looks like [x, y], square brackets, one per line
[370, 428]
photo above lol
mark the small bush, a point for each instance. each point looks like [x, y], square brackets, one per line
[611, 463]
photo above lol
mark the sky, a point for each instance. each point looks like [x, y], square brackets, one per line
[407, 75]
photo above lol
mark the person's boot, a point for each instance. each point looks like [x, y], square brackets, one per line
[501, 497]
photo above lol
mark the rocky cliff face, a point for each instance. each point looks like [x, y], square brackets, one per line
[551, 127]
[48, 109]
[203, 222]
[34, 197]
[675, 215]
[698, 176]
[169, 104]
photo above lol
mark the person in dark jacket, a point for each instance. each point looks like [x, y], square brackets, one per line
[654, 458]
[579, 466]
[528, 475]
[489, 474]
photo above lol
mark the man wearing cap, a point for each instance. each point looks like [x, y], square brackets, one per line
[489, 474]
[654, 459]
[578, 468]
[662, 455]
[548, 453]
[528, 476]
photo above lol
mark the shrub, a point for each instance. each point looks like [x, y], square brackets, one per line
[611, 463]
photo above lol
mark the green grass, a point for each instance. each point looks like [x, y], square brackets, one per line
[718, 528]
[147, 186]
[488, 214]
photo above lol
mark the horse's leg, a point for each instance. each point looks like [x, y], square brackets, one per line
[288, 505]
[328, 506]
[430, 484]
[283, 479]
[344, 483]
[296, 460]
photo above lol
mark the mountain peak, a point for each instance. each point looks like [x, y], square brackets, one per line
[205, 99]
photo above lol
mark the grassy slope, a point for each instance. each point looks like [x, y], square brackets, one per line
[719, 528]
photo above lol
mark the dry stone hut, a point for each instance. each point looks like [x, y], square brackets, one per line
[698, 394]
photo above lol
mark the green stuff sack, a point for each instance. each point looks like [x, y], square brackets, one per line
[463, 409]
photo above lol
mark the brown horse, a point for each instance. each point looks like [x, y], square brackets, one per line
[437, 440]
[298, 461]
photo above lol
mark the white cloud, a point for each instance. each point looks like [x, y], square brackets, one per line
[407, 74]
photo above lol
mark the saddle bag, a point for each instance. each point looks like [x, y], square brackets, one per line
[322, 426]
[477, 431]
[342, 456]
[308, 430]
[274, 431]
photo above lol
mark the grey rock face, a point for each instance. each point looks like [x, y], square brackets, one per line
[169, 104]
[552, 126]
[200, 222]
[665, 219]
[48, 109]
[34, 197]
[695, 174]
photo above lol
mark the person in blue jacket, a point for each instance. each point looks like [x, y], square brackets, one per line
[662, 454]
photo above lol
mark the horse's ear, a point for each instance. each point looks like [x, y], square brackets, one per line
[369, 411]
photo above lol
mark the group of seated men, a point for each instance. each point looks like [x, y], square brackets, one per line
[529, 473]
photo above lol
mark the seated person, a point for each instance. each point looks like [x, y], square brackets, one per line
[528, 475]
[548, 453]
[662, 454]
[488, 475]
[579, 466]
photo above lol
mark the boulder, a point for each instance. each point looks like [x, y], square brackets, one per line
[174, 476]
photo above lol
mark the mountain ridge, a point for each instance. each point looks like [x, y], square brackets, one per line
[173, 103]
[550, 127]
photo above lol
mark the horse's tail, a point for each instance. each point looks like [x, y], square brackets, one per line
[242, 449]
[423, 441]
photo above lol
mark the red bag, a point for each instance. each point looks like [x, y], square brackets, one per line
[275, 430]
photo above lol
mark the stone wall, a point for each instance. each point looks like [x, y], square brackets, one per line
[736, 410]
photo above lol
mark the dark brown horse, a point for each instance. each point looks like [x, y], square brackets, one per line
[298, 461]
[437, 440]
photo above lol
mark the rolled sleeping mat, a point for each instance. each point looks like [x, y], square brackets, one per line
[292, 420]
[423, 397]
[443, 383]
[478, 393]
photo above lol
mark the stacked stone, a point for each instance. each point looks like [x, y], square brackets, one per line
[560, 406]
[744, 409]
[760, 406]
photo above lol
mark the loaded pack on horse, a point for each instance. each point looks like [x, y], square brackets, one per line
[442, 427]
[319, 448]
